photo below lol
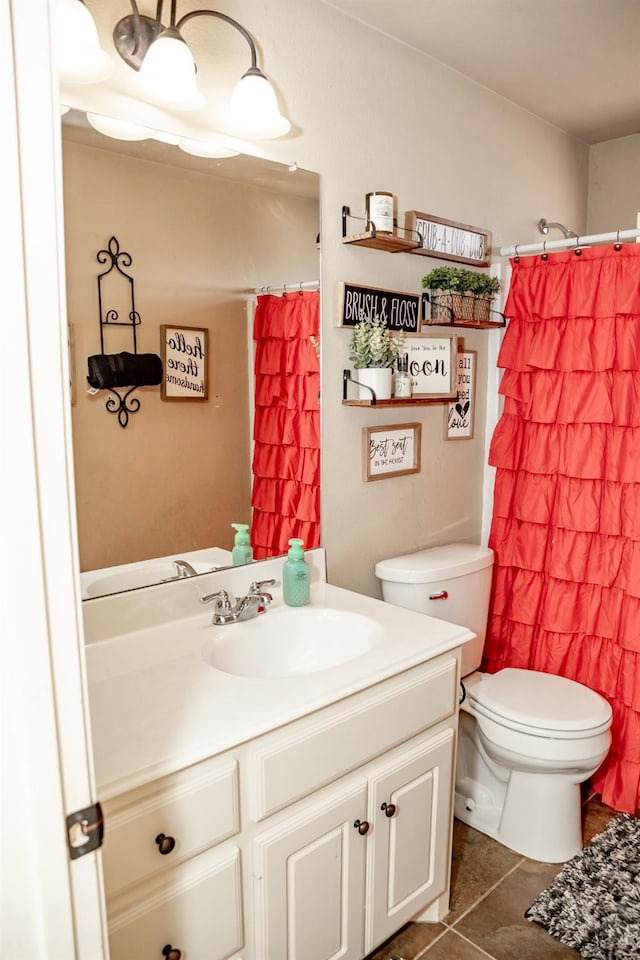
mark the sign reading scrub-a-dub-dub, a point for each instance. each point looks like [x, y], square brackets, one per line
[184, 360]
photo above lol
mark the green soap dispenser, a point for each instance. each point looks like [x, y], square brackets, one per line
[295, 576]
[242, 552]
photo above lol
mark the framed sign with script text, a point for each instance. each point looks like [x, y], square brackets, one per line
[432, 365]
[449, 240]
[391, 451]
[185, 359]
[459, 415]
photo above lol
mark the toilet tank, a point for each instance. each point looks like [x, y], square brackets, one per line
[451, 582]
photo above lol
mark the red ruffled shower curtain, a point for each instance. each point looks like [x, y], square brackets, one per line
[286, 459]
[566, 520]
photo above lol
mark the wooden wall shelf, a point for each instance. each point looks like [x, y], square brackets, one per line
[398, 402]
[390, 243]
[379, 241]
[468, 324]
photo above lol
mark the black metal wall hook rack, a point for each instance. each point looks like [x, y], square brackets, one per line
[112, 371]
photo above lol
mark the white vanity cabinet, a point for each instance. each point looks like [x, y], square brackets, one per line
[316, 840]
[339, 871]
[172, 875]
[344, 873]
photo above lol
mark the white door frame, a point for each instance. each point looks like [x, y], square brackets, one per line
[52, 907]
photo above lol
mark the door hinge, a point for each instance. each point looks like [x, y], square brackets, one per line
[85, 830]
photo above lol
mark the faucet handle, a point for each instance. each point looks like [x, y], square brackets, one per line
[224, 600]
[258, 585]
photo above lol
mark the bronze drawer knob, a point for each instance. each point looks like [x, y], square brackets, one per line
[165, 846]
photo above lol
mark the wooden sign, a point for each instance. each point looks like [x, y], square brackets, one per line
[448, 239]
[459, 415]
[184, 361]
[432, 365]
[399, 311]
[391, 451]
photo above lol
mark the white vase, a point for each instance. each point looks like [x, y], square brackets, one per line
[378, 378]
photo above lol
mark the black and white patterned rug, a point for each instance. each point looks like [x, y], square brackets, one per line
[593, 905]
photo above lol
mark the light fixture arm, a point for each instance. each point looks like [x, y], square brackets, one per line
[133, 35]
[220, 16]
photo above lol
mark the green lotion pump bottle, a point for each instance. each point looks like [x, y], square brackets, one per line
[295, 576]
[242, 552]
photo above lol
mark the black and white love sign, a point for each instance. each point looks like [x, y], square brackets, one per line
[459, 414]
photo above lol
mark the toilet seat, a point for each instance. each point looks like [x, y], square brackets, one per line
[540, 704]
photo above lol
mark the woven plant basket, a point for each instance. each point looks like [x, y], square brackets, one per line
[449, 305]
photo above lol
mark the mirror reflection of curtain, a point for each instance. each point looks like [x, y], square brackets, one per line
[286, 460]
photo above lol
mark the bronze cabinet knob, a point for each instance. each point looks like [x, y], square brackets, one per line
[362, 826]
[171, 953]
[165, 844]
[389, 809]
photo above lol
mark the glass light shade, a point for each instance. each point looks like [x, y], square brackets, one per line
[169, 138]
[119, 129]
[167, 76]
[79, 56]
[210, 148]
[253, 111]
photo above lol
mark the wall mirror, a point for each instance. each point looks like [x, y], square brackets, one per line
[203, 235]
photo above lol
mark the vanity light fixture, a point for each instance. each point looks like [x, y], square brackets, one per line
[119, 129]
[166, 68]
[80, 57]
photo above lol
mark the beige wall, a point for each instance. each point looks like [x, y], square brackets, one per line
[179, 473]
[370, 113]
[614, 185]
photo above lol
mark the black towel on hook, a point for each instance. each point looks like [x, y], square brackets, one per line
[109, 370]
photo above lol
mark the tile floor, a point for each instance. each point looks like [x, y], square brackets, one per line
[491, 887]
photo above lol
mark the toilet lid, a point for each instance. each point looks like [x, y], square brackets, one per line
[542, 700]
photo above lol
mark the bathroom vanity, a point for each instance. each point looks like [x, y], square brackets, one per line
[297, 810]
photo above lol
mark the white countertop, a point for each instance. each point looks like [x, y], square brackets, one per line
[158, 706]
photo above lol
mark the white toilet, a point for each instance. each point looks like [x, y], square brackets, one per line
[527, 739]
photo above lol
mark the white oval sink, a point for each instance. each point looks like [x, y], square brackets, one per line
[286, 642]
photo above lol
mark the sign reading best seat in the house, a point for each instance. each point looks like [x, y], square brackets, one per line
[399, 311]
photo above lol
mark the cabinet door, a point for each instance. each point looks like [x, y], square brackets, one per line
[197, 910]
[309, 881]
[410, 813]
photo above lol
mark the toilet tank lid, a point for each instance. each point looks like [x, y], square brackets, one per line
[435, 563]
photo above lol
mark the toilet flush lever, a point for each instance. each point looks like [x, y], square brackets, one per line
[443, 595]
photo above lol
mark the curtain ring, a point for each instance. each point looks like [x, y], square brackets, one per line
[284, 289]
[545, 255]
[617, 245]
[516, 258]
[577, 250]
[300, 291]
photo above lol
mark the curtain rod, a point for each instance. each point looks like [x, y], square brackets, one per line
[289, 287]
[569, 243]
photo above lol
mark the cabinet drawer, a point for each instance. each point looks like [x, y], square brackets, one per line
[197, 909]
[194, 808]
[289, 765]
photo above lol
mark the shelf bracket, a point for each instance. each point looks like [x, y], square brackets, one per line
[347, 378]
[368, 224]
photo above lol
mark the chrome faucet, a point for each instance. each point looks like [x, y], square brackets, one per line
[184, 569]
[227, 610]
